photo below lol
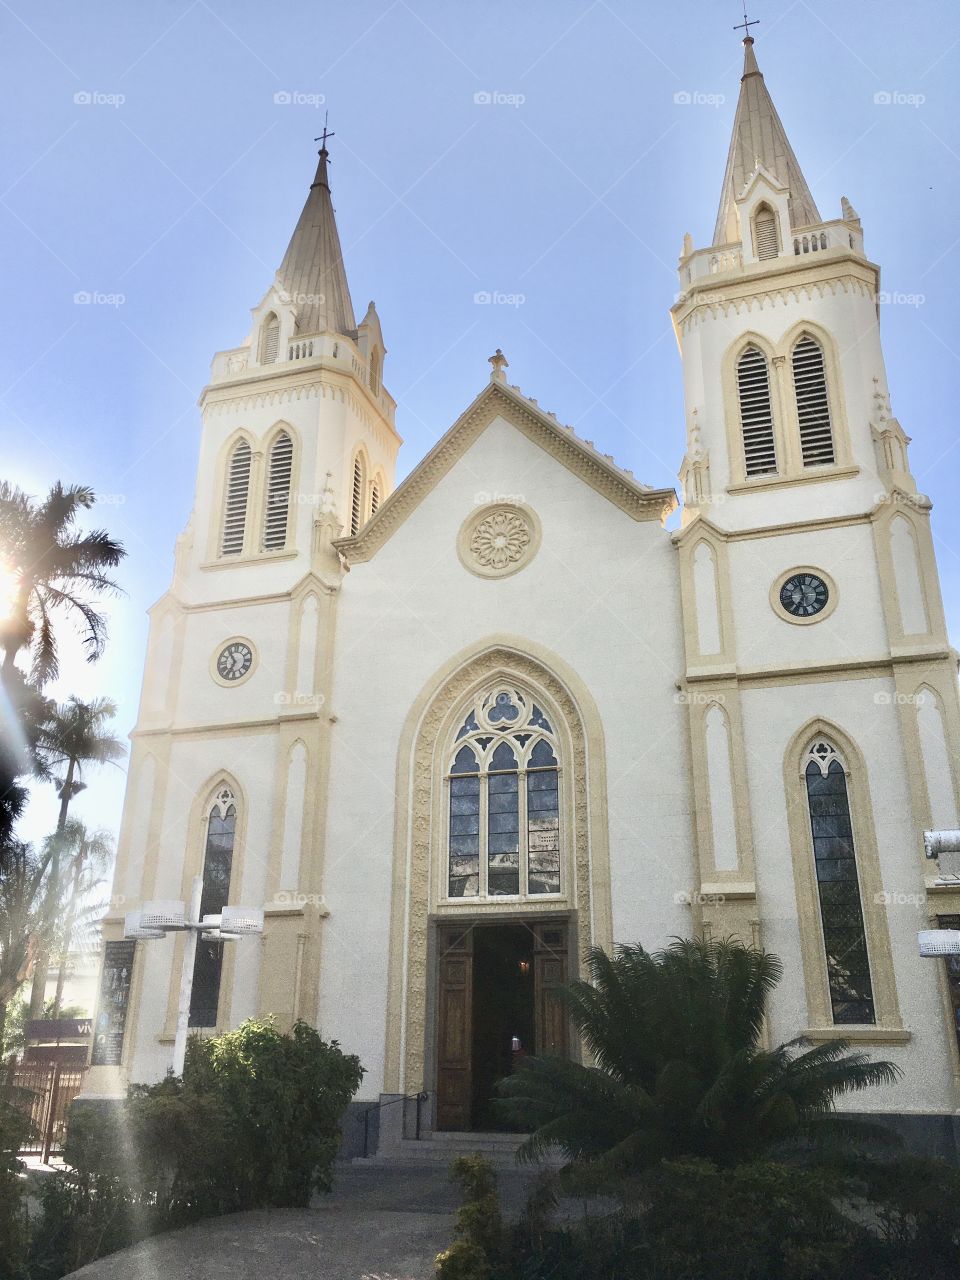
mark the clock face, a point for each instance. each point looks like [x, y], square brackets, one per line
[804, 594]
[235, 660]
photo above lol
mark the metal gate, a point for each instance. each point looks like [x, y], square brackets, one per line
[44, 1091]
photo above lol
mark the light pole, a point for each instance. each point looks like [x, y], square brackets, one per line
[944, 845]
[157, 919]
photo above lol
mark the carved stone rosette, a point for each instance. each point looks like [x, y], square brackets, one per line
[498, 539]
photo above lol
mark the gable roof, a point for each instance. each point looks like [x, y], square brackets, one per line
[639, 501]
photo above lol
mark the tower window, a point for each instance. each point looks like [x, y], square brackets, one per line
[278, 493]
[813, 403]
[269, 340]
[756, 413]
[217, 868]
[765, 229]
[375, 371]
[235, 507]
[841, 910]
[356, 503]
[375, 498]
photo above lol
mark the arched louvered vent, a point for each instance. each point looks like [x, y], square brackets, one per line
[813, 404]
[375, 498]
[235, 507]
[278, 493]
[756, 414]
[356, 505]
[768, 245]
[270, 340]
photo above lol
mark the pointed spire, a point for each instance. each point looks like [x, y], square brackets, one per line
[312, 272]
[759, 138]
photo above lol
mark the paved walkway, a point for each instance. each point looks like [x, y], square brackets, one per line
[378, 1224]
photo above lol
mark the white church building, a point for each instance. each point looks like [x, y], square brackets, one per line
[452, 733]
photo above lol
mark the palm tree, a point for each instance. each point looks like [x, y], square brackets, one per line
[89, 854]
[49, 565]
[680, 1069]
[24, 916]
[76, 735]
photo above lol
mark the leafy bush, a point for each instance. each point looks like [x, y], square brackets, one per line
[690, 1219]
[14, 1129]
[252, 1123]
[479, 1228]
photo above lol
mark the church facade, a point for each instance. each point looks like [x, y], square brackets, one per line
[453, 733]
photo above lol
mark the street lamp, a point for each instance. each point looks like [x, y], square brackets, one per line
[944, 845]
[158, 918]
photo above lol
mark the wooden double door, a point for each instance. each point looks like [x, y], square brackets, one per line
[496, 1003]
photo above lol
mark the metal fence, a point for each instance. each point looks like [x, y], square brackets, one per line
[44, 1091]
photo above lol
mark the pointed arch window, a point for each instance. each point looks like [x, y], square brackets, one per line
[270, 340]
[235, 505]
[375, 498]
[813, 403]
[766, 234]
[756, 413]
[356, 499]
[217, 869]
[279, 473]
[838, 885]
[375, 371]
[504, 801]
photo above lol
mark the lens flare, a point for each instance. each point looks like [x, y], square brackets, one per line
[9, 584]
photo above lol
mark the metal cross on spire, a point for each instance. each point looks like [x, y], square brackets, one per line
[326, 133]
[746, 24]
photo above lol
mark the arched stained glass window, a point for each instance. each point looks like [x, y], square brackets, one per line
[504, 801]
[841, 909]
[217, 869]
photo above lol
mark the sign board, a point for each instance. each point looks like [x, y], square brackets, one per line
[47, 1029]
[111, 1019]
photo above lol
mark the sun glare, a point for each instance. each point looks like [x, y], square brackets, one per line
[9, 581]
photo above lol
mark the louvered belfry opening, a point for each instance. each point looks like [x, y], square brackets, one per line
[356, 508]
[270, 342]
[375, 499]
[765, 224]
[813, 403]
[756, 413]
[278, 493]
[235, 508]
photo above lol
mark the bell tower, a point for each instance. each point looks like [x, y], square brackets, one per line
[778, 325]
[297, 447]
[807, 570]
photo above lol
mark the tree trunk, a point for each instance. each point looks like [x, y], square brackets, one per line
[3, 1024]
[68, 932]
[42, 967]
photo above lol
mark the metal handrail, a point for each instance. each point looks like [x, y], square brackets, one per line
[420, 1098]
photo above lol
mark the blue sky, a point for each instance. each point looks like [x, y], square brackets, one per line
[152, 160]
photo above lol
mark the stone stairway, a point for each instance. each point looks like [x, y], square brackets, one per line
[440, 1149]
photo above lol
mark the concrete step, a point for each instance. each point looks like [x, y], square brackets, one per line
[441, 1149]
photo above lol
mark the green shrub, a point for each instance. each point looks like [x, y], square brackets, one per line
[14, 1129]
[478, 1247]
[252, 1123]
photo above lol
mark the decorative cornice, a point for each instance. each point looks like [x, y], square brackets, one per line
[239, 396]
[498, 400]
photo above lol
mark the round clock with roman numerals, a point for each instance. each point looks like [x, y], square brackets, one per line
[234, 661]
